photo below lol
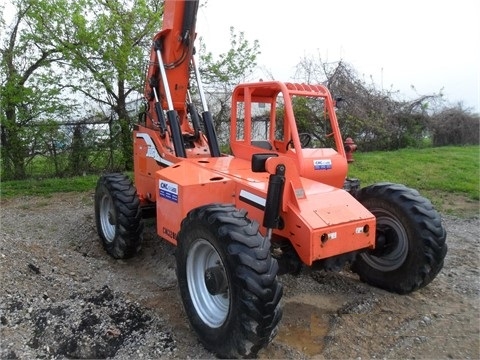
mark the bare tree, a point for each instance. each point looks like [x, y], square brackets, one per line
[373, 117]
[455, 126]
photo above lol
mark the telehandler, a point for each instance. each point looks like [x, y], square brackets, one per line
[281, 200]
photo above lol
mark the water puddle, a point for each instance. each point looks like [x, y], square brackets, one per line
[303, 328]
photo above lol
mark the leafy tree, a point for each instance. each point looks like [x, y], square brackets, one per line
[108, 52]
[29, 88]
[78, 159]
[63, 55]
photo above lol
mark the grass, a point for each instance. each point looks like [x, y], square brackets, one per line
[449, 169]
[47, 187]
[448, 176]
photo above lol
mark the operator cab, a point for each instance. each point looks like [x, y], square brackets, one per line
[295, 120]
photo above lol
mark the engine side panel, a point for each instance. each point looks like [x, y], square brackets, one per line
[183, 187]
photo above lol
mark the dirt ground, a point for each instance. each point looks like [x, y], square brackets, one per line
[62, 296]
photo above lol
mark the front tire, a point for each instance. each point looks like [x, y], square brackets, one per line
[410, 239]
[118, 215]
[228, 281]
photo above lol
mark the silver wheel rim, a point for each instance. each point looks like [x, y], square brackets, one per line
[107, 218]
[396, 240]
[212, 309]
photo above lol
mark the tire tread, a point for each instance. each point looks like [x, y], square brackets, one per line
[255, 275]
[426, 222]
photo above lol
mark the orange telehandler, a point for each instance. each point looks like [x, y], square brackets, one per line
[282, 199]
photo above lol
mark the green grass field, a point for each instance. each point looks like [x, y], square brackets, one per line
[47, 186]
[447, 169]
[448, 176]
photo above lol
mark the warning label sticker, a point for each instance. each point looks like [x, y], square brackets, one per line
[324, 164]
[168, 190]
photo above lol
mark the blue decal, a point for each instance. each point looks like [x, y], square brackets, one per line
[322, 164]
[168, 190]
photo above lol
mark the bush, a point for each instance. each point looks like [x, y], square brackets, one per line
[455, 126]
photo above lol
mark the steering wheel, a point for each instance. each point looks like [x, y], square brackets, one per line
[305, 140]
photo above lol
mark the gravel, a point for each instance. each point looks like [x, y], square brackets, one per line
[63, 297]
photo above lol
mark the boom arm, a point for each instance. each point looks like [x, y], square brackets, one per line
[168, 81]
[173, 46]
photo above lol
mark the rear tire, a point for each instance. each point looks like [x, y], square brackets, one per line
[228, 281]
[118, 215]
[410, 239]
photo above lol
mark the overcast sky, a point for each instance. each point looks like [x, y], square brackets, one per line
[428, 44]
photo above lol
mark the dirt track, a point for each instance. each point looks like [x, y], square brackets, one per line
[62, 296]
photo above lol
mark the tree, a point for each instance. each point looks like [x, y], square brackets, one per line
[29, 89]
[455, 126]
[373, 117]
[63, 55]
[111, 43]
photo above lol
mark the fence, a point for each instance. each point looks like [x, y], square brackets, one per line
[68, 149]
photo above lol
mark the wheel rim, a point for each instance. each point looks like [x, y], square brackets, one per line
[107, 218]
[212, 309]
[392, 243]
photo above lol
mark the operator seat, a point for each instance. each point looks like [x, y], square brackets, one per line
[264, 144]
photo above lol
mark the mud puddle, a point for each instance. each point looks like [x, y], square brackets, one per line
[305, 325]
